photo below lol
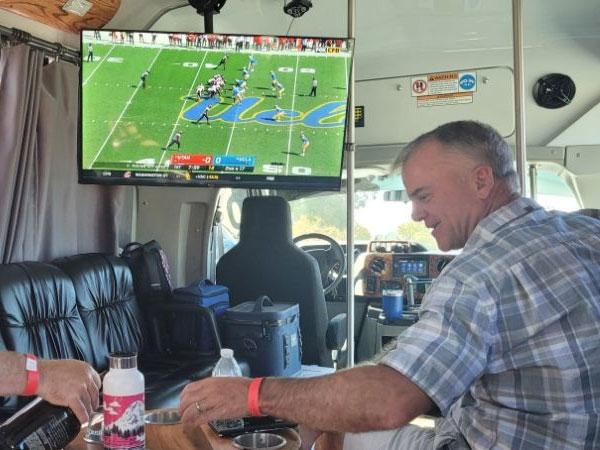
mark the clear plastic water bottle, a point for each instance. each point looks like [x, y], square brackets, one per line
[227, 366]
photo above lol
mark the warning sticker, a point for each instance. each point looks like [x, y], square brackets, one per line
[443, 83]
[458, 98]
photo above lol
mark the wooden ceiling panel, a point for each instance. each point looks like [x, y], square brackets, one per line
[50, 12]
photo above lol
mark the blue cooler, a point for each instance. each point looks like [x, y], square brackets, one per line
[266, 335]
[193, 333]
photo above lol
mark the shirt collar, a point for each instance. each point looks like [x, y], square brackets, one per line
[502, 216]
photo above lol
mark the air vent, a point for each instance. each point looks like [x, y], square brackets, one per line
[377, 265]
[554, 91]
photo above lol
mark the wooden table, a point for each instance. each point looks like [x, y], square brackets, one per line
[184, 437]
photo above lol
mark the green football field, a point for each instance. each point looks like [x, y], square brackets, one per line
[126, 126]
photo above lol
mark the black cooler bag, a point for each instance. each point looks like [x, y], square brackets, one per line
[266, 335]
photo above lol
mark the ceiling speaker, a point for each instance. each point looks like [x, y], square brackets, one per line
[554, 91]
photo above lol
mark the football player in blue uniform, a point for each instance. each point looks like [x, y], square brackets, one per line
[238, 94]
[280, 89]
[305, 142]
[251, 63]
[279, 113]
[273, 80]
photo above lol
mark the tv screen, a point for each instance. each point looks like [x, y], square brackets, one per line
[192, 109]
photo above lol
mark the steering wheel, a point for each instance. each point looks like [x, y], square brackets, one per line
[332, 261]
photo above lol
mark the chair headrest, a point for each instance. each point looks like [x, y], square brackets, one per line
[266, 218]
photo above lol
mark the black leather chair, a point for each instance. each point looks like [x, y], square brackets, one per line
[267, 262]
[84, 307]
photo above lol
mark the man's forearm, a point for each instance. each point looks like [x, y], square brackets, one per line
[12, 373]
[360, 399]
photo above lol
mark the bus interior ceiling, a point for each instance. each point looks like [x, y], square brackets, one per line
[397, 43]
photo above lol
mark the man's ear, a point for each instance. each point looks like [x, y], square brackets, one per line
[483, 178]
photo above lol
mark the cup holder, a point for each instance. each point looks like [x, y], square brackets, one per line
[264, 441]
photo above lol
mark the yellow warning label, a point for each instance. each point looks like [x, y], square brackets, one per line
[443, 76]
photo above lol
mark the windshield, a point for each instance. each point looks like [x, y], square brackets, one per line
[375, 218]
[382, 210]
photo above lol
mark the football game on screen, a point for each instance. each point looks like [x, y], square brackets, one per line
[191, 108]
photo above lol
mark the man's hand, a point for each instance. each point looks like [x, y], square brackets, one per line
[214, 398]
[70, 383]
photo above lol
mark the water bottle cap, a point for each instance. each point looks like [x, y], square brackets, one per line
[227, 353]
[122, 360]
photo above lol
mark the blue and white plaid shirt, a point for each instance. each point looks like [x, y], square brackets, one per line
[508, 341]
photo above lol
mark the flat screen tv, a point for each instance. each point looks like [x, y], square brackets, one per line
[190, 109]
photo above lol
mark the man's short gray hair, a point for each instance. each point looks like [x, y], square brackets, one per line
[476, 140]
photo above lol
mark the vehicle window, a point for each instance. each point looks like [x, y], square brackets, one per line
[554, 193]
[376, 217]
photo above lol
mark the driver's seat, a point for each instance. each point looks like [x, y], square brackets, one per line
[267, 262]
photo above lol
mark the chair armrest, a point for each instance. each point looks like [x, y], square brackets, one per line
[161, 313]
[337, 332]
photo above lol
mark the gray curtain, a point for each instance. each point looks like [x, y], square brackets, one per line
[44, 212]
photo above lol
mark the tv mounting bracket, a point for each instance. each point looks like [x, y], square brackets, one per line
[207, 8]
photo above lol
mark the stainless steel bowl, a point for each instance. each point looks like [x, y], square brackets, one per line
[162, 417]
[264, 441]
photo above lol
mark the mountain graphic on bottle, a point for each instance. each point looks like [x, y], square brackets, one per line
[129, 425]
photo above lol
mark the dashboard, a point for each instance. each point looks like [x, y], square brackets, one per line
[387, 264]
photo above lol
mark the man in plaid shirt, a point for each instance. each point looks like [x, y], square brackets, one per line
[507, 346]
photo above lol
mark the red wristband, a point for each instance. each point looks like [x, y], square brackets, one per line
[253, 391]
[33, 376]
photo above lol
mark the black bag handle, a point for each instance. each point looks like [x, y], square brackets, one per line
[261, 302]
[130, 247]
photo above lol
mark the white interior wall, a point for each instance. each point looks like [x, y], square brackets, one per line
[180, 220]
[394, 115]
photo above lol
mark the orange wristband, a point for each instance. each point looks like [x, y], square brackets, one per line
[33, 376]
[253, 391]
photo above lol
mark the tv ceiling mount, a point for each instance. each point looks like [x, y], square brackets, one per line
[208, 8]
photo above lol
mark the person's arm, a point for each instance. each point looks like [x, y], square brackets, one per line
[365, 398]
[13, 377]
[65, 382]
